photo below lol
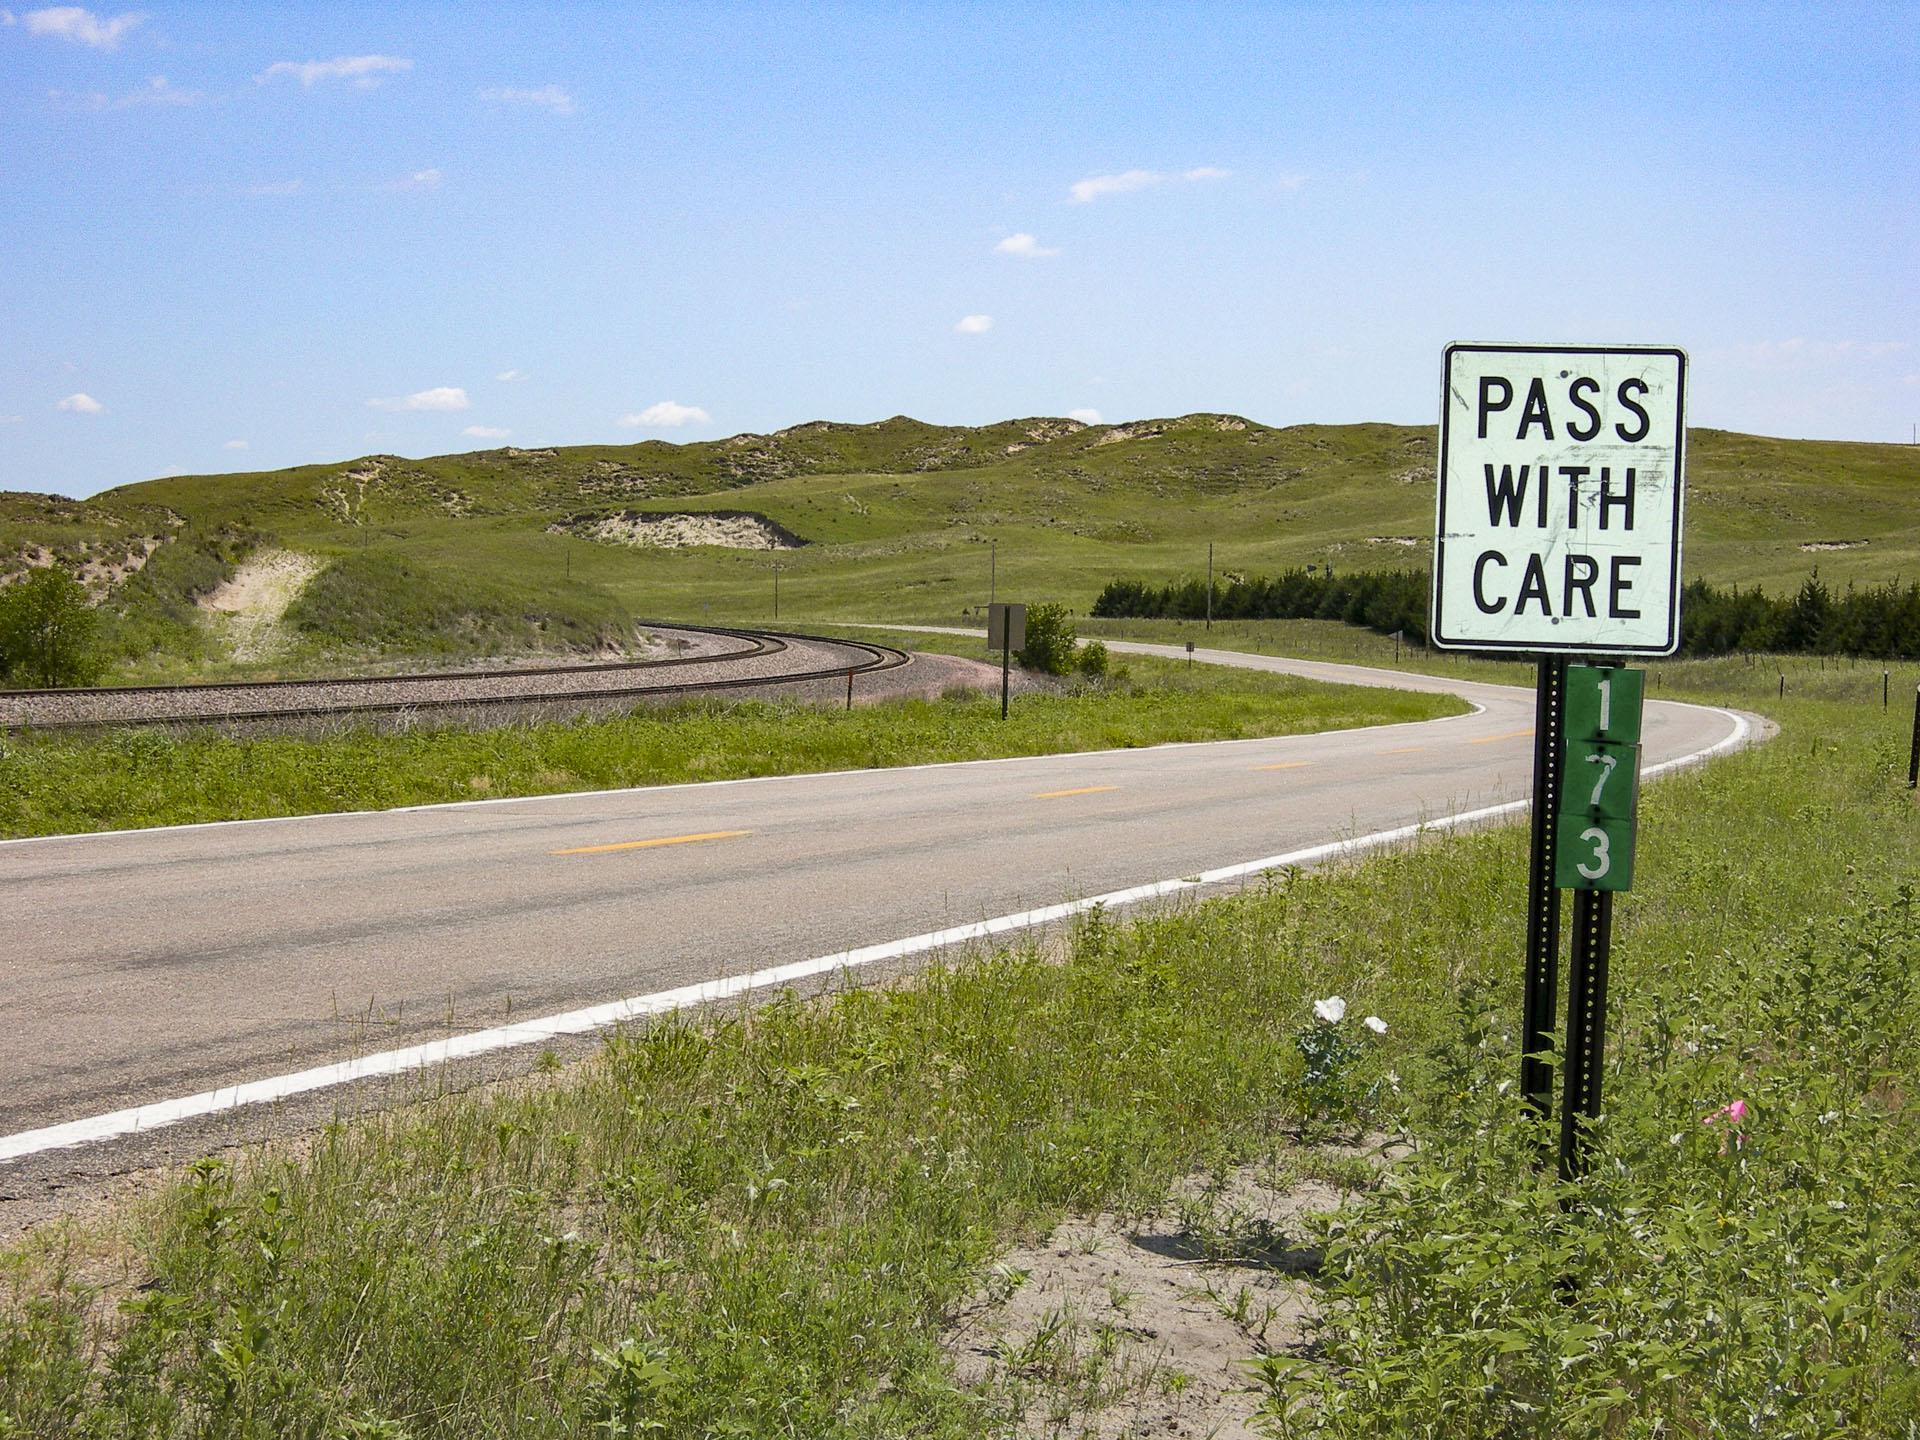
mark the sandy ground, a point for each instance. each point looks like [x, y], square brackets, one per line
[1122, 1327]
[252, 603]
[673, 532]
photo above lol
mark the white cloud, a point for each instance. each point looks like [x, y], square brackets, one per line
[1127, 181]
[277, 187]
[418, 180]
[1290, 180]
[234, 445]
[1024, 246]
[973, 325]
[1801, 353]
[12, 419]
[81, 405]
[486, 432]
[1085, 417]
[442, 397]
[667, 415]
[365, 71]
[507, 377]
[157, 92]
[83, 27]
[547, 97]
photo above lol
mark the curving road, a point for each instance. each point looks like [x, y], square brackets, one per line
[152, 968]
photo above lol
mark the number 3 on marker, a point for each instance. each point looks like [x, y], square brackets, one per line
[1601, 863]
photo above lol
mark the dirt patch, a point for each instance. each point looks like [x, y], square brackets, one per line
[729, 529]
[1117, 1327]
[249, 606]
[1407, 542]
[1818, 545]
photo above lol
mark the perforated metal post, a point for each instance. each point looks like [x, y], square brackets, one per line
[1586, 1024]
[1543, 899]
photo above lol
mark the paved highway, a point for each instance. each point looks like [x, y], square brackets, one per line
[145, 966]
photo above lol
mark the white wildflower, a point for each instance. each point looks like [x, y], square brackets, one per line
[1375, 1024]
[1332, 1009]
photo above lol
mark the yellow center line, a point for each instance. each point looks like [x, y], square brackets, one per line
[1405, 749]
[650, 844]
[1510, 735]
[1283, 765]
[1084, 790]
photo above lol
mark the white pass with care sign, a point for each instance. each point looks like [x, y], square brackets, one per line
[1561, 480]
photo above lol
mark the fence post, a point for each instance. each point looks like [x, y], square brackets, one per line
[1913, 760]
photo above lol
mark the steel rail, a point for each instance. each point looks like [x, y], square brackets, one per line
[761, 642]
[876, 658]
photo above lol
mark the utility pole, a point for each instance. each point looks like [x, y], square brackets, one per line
[1209, 587]
[776, 580]
[993, 569]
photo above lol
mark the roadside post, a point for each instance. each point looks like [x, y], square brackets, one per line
[1006, 632]
[1913, 757]
[1557, 534]
[1189, 654]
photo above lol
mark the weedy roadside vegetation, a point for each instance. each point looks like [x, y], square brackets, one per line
[758, 1226]
[52, 783]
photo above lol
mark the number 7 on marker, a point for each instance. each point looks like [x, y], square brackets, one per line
[1606, 762]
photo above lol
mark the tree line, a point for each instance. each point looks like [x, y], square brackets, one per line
[1880, 622]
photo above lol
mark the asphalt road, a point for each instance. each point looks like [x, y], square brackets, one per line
[140, 966]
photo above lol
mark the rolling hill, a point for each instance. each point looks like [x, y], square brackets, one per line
[899, 519]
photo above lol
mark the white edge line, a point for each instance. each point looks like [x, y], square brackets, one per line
[159, 1113]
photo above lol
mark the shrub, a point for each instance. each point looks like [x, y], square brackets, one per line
[48, 632]
[1050, 640]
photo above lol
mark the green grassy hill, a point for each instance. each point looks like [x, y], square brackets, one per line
[497, 548]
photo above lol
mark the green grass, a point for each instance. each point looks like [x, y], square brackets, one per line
[901, 518]
[55, 784]
[758, 1226]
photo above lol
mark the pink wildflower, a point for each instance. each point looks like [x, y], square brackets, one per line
[1735, 1112]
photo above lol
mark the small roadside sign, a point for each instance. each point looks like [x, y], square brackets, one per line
[1006, 632]
[1599, 808]
[1561, 481]
[1006, 627]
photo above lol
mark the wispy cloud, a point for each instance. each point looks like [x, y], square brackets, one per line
[234, 445]
[507, 377]
[486, 432]
[547, 97]
[79, 404]
[12, 419]
[1802, 353]
[83, 27]
[1085, 417]
[1025, 247]
[973, 325]
[418, 180]
[667, 415]
[157, 91]
[364, 71]
[277, 187]
[441, 397]
[1124, 182]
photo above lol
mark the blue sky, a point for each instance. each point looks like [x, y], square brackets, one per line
[250, 236]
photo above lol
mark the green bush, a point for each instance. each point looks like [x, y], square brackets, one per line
[48, 632]
[1050, 640]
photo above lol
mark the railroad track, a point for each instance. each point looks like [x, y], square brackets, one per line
[744, 659]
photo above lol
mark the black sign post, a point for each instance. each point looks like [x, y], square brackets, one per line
[1543, 896]
[1006, 632]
